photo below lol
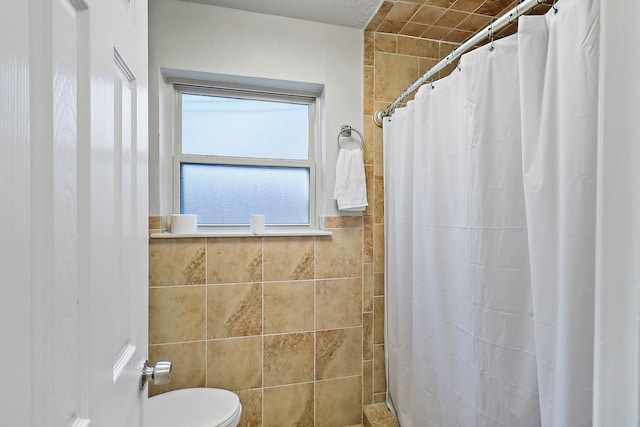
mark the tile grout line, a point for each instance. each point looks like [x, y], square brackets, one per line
[315, 284]
[206, 312]
[362, 292]
[262, 334]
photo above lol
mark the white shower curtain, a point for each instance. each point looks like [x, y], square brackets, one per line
[490, 225]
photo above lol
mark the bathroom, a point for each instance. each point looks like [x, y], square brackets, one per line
[295, 325]
[339, 362]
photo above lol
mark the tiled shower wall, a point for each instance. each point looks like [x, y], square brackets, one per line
[391, 63]
[279, 320]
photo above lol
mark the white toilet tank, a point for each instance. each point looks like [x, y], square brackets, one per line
[194, 407]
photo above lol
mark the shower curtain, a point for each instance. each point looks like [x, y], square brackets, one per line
[490, 195]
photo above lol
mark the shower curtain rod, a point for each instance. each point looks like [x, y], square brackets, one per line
[486, 33]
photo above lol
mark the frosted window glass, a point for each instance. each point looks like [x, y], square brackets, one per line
[228, 195]
[220, 126]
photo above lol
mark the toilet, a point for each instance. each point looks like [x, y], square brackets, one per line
[194, 407]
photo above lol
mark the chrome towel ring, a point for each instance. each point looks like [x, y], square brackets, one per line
[345, 130]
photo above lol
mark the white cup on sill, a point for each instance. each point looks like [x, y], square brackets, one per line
[257, 224]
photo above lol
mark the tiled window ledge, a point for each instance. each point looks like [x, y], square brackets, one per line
[240, 233]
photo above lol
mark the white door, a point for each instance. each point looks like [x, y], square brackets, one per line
[73, 207]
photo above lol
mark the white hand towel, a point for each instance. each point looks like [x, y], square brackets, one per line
[351, 186]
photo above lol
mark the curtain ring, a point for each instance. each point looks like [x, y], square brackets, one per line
[450, 57]
[432, 86]
[555, 8]
[517, 14]
[458, 66]
[403, 97]
[491, 47]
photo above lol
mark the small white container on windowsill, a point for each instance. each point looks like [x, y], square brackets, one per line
[257, 224]
[184, 224]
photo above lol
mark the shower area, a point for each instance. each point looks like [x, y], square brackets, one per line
[508, 274]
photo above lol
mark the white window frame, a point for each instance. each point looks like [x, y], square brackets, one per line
[238, 91]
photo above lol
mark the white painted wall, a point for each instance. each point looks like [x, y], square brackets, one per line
[209, 39]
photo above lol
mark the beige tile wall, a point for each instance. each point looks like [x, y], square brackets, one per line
[453, 21]
[277, 320]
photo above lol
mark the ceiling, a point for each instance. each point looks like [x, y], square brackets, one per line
[346, 13]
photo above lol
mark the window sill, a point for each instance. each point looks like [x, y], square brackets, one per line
[240, 233]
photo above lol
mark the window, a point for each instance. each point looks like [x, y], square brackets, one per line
[239, 153]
